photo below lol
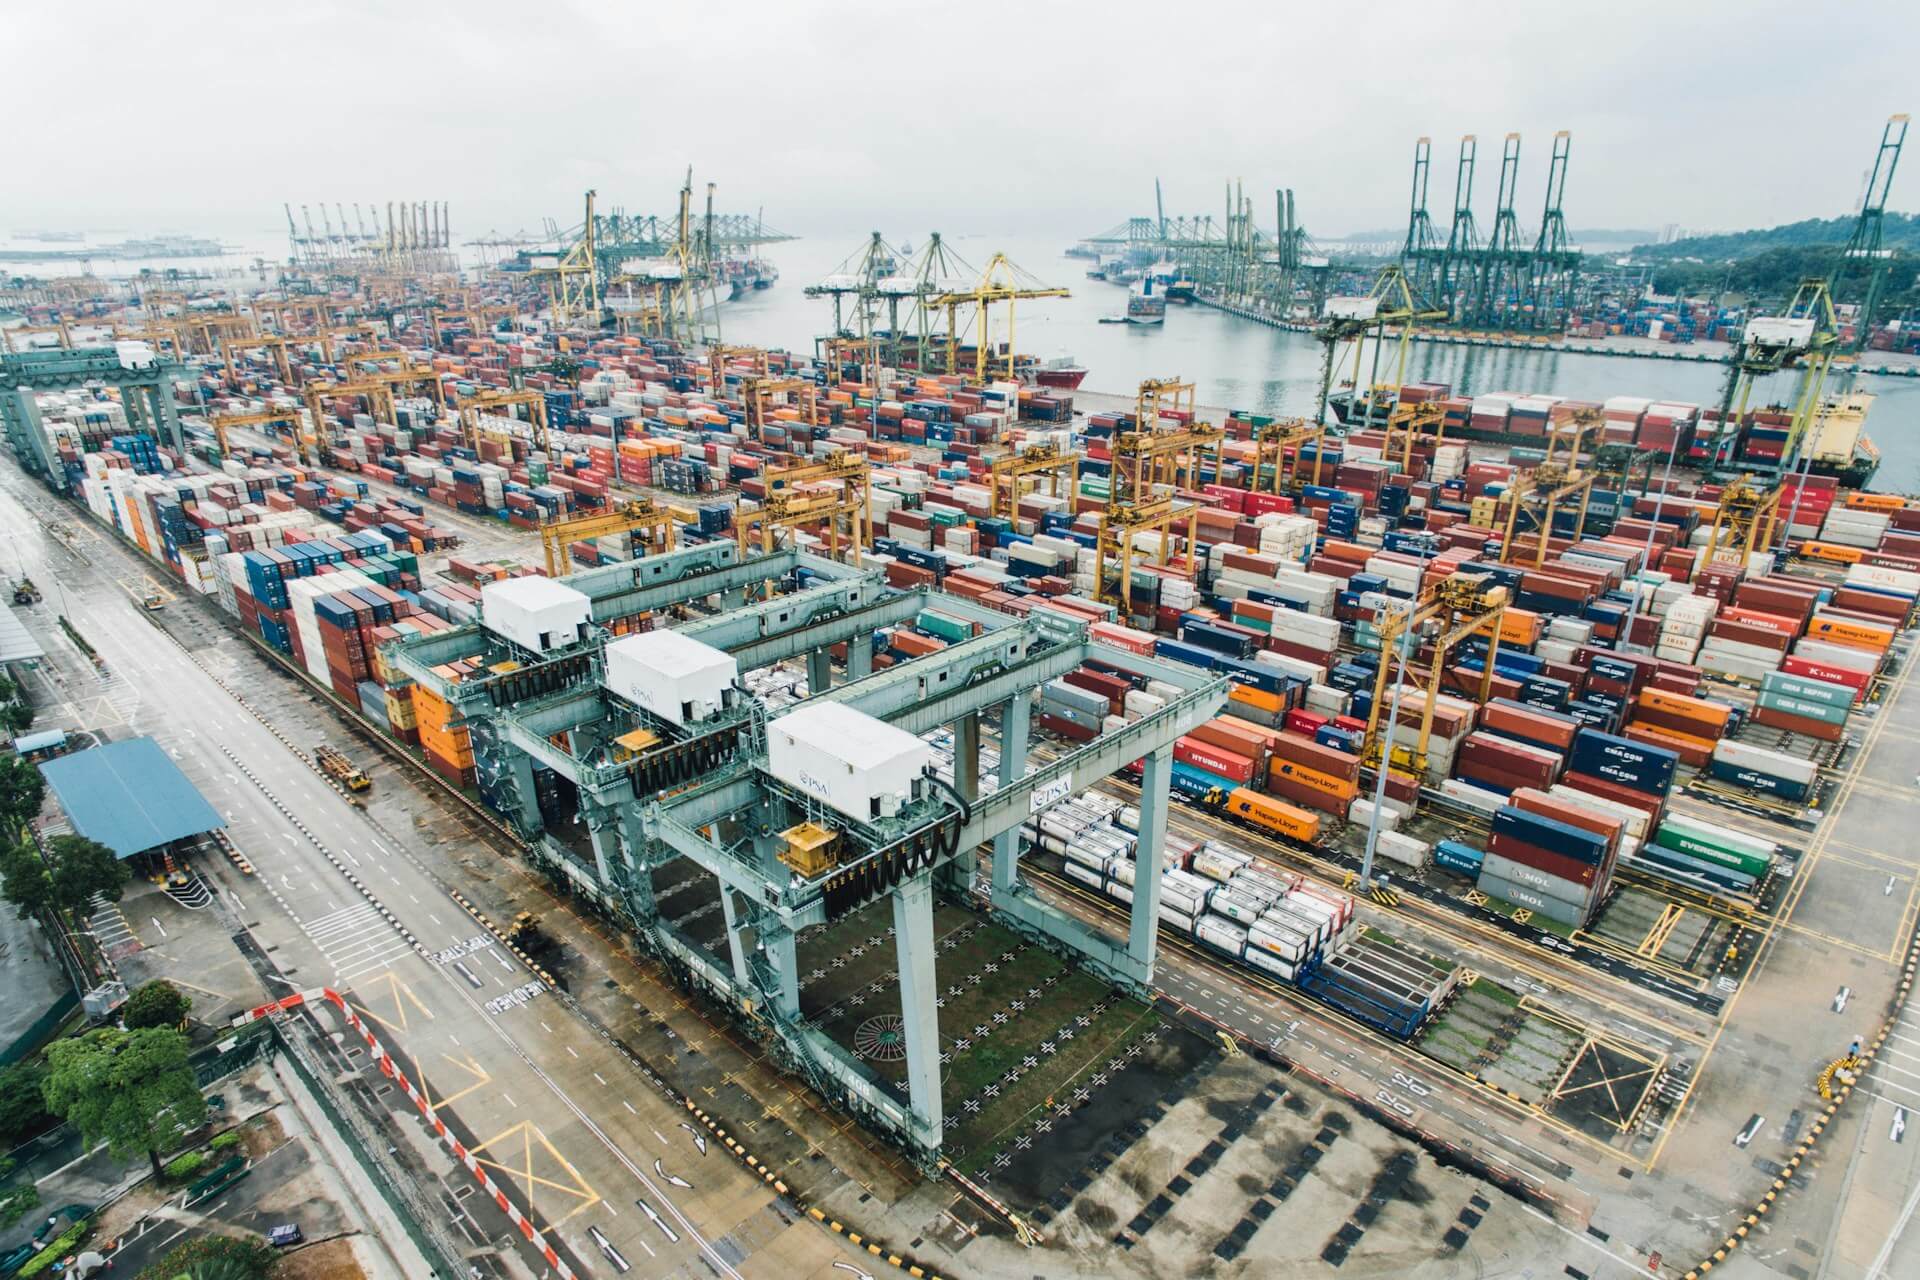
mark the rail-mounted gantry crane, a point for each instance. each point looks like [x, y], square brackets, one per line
[1555, 484]
[1060, 467]
[835, 493]
[221, 423]
[1457, 609]
[1147, 466]
[471, 408]
[1390, 303]
[658, 524]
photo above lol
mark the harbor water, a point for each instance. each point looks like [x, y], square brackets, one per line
[1234, 363]
[1239, 364]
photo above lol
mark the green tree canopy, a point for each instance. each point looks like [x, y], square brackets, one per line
[157, 1004]
[82, 868]
[23, 1112]
[133, 1090]
[21, 791]
[213, 1257]
[25, 880]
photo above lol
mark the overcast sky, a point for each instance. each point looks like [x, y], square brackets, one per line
[981, 116]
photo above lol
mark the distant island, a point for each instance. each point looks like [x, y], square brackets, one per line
[125, 251]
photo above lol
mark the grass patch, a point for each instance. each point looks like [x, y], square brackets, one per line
[988, 1059]
[1486, 988]
[983, 1136]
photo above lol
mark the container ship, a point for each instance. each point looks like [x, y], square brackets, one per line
[1836, 444]
[1144, 306]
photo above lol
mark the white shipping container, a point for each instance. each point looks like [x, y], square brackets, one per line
[1402, 849]
[1279, 968]
[1777, 763]
[1230, 938]
[1085, 875]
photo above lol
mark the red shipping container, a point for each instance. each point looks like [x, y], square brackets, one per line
[1651, 805]
[1202, 755]
[1812, 728]
[1532, 855]
[1537, 726]
[1811, 670]
[1305, 751]
[1300, 720]
[1229, 735]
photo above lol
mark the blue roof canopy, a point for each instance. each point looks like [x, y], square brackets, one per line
[129, 796]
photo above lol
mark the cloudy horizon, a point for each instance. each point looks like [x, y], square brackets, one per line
[1031, 118]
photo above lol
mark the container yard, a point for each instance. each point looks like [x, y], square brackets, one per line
[951, 819]
[1373, 723]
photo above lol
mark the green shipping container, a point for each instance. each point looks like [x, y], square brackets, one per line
[1828, 695]
[1725, 837]
[1716, 855]
[1802, 707]
[939, 624]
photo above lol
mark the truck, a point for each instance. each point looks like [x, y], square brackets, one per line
[334, 763]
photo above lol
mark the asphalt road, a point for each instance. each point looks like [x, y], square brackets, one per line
[568, 1127]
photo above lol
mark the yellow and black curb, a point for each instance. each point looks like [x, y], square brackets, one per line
[480, 917]
[767, 1175]
[1827, 1116]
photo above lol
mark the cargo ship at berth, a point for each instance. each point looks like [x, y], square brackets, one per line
[1836, 443]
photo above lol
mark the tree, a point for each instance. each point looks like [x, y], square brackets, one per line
[81, 868]
[213, 1257]
[23, 1111]
[25, 880]
[133, 1090]
[21, 791]
[157, 1004]
[15, 1200]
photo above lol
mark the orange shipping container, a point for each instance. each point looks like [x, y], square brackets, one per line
[1520, 627]
[1855, 635]
[1258, 699]
[1274, 815]
[1339, 789]
[1698, 710]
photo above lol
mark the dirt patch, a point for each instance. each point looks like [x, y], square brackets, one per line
[261, 1135]
[329, 1260]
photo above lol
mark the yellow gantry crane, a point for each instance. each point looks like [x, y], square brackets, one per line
[473, 406]
[637, 515]
[838, 487]
[1454, 611]
[1036, 459]
[1409, 425]
[376, 388]
[1162, 397]
[60, 329]
[273, 342]
[1143, 460]
[1553, 485]
[1271, 443]
[224, 422]
[758, 394]
[999, 284]
[572, 276]
[1391, 303]
[1743, 522]
[719, 355]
